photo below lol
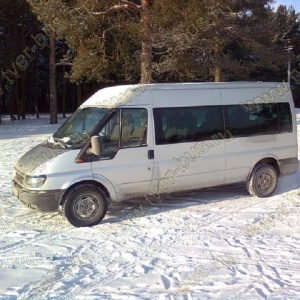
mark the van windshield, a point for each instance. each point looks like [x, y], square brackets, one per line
[79, 126]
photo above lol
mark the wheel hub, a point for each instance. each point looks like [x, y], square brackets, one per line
[265, 181]
[85, 207]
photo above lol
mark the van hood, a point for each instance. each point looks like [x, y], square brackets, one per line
[35, 160]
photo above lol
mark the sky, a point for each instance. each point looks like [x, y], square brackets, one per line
[294, 3]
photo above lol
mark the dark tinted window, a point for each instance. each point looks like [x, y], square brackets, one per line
[259, 120]
[188, 124]
[285, 117]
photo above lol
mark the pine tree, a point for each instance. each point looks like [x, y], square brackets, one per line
[125, 41]
[17, 26]
[103, 36]
[218, 40]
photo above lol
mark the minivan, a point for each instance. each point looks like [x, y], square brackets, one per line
[137, 140]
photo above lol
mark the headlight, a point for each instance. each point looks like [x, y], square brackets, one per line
[34, 181]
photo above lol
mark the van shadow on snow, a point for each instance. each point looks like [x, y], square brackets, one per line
[128, 210]
[132, 209]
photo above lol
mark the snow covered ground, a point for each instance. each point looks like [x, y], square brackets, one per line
[212, 244]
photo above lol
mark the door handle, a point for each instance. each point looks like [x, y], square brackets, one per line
[150, 154]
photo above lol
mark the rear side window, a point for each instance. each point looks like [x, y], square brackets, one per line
[188, 124]
[285, 117]
[261, 119]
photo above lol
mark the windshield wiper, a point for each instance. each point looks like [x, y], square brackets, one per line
[53, 140]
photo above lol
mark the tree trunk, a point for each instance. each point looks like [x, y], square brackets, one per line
[22, 94]
[1, 96]
[64, 93]
[146, 55]
[36, 103]
[52, 82]
[218, 74]
[79, 94]
[17, 98]
[22, 98]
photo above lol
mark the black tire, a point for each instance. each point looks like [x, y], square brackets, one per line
[85, 205]
[263, 181]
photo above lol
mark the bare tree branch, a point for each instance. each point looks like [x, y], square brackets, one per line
[123, 5]
[132, 5]
[62, 63]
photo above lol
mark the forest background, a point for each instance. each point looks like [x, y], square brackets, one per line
[56, 53]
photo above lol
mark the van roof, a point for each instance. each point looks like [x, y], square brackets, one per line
[122, 95]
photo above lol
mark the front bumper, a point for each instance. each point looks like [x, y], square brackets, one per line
[44, 201]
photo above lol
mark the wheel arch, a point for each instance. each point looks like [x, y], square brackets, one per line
[93, 182]
[267, 160]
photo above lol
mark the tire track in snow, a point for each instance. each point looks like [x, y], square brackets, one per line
[131, 266]
[260, 288]
[25, 225]
[101, 278]
[270, 270]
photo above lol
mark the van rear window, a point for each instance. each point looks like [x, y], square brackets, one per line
[261, 119]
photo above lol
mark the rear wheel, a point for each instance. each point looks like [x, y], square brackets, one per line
[263, 181]
[85, 205]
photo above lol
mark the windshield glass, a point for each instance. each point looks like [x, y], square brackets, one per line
[79, 126]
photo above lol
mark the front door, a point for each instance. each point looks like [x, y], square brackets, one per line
[127, 152]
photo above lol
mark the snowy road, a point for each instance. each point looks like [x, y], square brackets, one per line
[211, 244]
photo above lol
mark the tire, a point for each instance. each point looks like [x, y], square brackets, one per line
[263, 181]
[85, 205]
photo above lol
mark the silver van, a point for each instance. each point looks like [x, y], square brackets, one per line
[140, 140]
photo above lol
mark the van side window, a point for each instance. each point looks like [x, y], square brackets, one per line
[285, 117]
[134, 127]
[188, 124]
[126, 128]
[259, 119]
[110, 136]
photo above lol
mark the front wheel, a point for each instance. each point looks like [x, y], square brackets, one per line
[85, 205]
[263, 181]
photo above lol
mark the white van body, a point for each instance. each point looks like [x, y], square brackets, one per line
[161, 138]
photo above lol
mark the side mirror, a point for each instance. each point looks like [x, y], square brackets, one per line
[95, 142]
